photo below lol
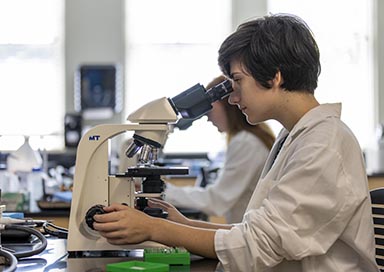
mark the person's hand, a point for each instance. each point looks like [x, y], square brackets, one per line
[123, 225]
[173, 214]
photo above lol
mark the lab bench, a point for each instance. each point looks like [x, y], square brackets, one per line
[57, 217]
[376, 181]
[55, 258]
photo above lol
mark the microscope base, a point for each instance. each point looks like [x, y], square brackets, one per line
[102, 253]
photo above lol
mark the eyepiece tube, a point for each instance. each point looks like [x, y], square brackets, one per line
[220, 91]
[196, 101]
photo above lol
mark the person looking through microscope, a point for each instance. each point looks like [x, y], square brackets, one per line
[311, 208]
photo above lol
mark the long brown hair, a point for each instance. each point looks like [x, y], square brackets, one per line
[237, 121]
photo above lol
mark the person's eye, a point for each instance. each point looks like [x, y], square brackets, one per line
[237, 81]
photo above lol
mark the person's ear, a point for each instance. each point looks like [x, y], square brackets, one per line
[278, 80]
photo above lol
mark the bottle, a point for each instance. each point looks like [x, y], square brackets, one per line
[4, 179]
[35, 188]
[10, 190]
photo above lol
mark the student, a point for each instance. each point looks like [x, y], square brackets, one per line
[311, 209]
[248, 149]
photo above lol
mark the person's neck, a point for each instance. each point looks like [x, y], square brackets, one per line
[294, 106]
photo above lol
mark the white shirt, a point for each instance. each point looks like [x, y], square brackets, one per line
[311, 209]
[229, 195]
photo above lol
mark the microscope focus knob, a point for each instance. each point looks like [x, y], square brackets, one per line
[97, 209]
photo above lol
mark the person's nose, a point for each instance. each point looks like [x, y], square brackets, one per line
[233, 98]
[209, 117]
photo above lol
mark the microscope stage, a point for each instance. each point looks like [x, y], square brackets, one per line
[153, 171]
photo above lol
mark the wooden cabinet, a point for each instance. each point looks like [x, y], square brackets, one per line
[59, 218]
[375, 181]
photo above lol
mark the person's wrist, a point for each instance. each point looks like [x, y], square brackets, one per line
[186, 221]
[153, 228]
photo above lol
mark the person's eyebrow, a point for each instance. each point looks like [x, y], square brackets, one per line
[231, 75]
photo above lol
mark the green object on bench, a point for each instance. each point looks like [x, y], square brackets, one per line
[167, 255]
[134, 266]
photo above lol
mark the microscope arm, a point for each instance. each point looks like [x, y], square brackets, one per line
[93, 185]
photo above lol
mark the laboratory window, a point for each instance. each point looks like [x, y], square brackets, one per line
[344, 32]
[32, 73]
[167, 52]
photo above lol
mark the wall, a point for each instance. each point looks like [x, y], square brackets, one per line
[94, 33]
[247, 9]
[379, 67]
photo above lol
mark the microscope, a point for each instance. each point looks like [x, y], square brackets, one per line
[94, 185]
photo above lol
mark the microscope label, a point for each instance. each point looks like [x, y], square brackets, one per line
[94, 137]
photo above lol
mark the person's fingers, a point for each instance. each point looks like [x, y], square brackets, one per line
[112, 216]
[161, 202]
[115, 207]
[121, 236]
[105, 227]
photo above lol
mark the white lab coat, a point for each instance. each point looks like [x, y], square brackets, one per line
[311, 210]
[229, 195]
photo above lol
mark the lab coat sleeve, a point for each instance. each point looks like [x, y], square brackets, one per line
[303, 215]
[244, 161]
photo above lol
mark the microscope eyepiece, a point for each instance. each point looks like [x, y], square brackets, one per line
[220, 91]
[196, 101]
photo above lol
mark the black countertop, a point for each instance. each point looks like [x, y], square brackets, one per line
[55, 258]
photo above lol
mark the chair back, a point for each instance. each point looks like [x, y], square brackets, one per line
[377, 198]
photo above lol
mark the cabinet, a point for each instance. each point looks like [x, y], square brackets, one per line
[59, 218]
[375, 181]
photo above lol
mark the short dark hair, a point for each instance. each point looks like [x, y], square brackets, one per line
[267, 45]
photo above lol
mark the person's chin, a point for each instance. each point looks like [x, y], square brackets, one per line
[250, 121]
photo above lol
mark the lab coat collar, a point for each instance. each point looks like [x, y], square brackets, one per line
[313, 116]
